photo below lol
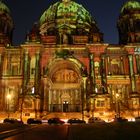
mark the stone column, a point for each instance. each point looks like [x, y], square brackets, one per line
[138, 64]
[103, 75]
[26, 69]
[59, 96]
[83, 96]
[45, 99]
[84, 91]
[92, 74]
[50, 97]
[37, 73]
[121, 65]
[132, 75]
[109, 66]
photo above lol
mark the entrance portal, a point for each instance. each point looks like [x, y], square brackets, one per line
[65, 88]
[65, 106]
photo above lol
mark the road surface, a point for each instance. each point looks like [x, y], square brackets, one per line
[43, 132]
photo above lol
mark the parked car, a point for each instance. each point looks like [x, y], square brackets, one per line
[137, 119]
[12, 121]
[34, 121]
[55, 121]
[75, 121]
[120, 119]
[95, 119]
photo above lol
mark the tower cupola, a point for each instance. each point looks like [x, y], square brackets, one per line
[129, 23]
[6, 24]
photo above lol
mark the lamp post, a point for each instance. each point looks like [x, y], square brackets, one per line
[93, 107]
[93, 101]
[35, 100]
[117, 105]
[8, 104]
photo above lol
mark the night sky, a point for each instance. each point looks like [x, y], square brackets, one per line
[26, 12]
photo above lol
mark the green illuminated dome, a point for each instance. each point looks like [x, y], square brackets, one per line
[131, 4]
[129, 23]
[4, 8]
[69, 17]
[6, 22]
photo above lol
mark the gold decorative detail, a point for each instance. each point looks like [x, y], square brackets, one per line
[66, 0]
[65, 76]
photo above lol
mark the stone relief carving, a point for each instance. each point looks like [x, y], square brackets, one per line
[65, 76]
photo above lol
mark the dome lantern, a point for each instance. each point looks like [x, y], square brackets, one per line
[66, 0]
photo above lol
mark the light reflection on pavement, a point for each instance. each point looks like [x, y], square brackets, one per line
[43, 132]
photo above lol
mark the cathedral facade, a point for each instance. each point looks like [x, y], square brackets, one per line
[64, 66]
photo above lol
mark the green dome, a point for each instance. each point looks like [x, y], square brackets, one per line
[131, 4]
[6, 22]
[67, 15]
[4, 8]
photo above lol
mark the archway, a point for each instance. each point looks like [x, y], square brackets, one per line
[65, 87]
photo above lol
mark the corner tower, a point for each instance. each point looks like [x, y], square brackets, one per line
[129, 23]
[6, 25]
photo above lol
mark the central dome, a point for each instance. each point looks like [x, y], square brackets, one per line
[68, 17]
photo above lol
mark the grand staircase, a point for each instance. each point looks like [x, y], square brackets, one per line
[64, 115]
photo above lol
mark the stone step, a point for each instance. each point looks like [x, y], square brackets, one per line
[63, 115]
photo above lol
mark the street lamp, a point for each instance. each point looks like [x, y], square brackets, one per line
[35, 100]
[117, 105]
[93, 107]
[93, 102]
[8, 104]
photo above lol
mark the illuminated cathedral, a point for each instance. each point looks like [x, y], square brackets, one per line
[64, 66]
